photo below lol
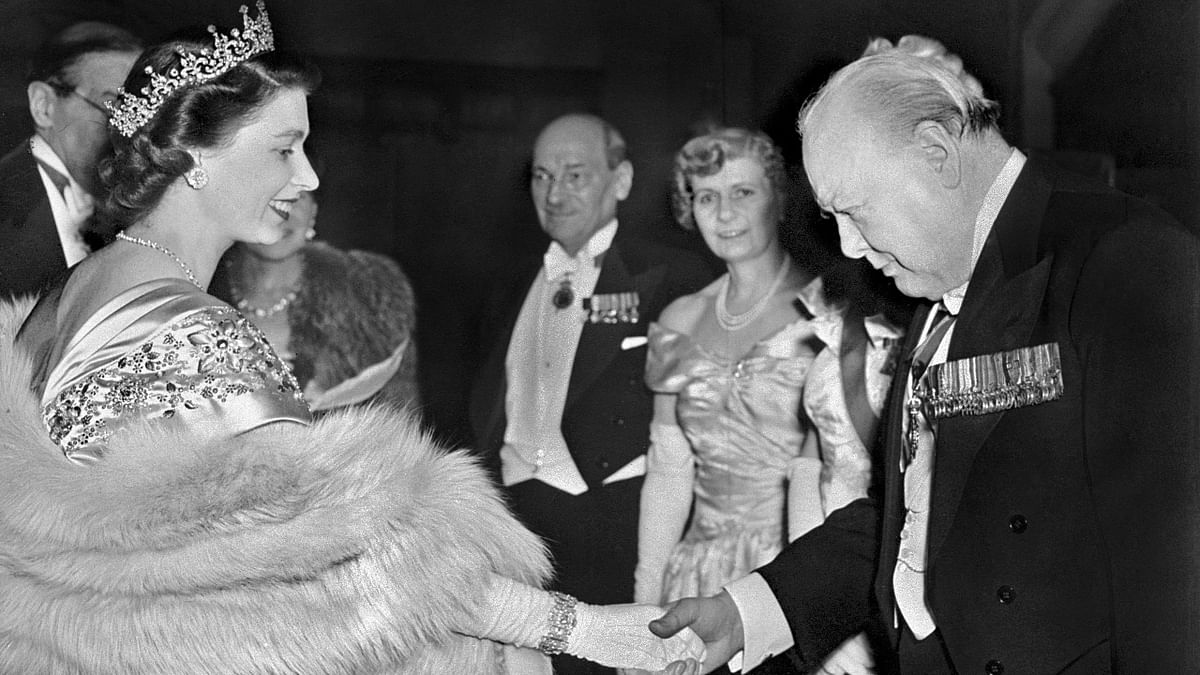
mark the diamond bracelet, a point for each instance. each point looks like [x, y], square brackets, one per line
[561, 621]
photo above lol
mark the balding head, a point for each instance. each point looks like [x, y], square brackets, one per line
[899, 86]
[583, 125]
[900, 147]
[579, 175]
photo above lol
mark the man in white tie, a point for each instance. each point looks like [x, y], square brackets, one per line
[560, 410]
[48, 184]
[1040, 511]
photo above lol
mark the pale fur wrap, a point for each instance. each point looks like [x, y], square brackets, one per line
[352, 546]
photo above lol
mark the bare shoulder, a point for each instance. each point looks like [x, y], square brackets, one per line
[684, 313]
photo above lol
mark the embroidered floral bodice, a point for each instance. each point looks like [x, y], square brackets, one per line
[165, 351]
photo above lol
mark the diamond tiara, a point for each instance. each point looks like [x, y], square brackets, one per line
[132, 111]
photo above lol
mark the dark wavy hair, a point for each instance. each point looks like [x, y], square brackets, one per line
[706, 155]
[204, 115]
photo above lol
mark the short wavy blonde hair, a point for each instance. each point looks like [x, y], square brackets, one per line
[705, 155]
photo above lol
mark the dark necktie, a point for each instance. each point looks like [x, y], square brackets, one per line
[91, 239]
[923, 354]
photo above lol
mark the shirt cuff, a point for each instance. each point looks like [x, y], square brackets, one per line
[765, 629]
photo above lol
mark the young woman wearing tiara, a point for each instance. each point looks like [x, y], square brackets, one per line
[167, 503]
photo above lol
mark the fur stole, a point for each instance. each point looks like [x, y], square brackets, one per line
[353, 308]
[351, 546]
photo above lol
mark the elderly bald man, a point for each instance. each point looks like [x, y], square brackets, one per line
[1040, 507]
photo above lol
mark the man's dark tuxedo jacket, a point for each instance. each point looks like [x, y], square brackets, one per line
[31, 255]
[606, 418]
[1062, 536]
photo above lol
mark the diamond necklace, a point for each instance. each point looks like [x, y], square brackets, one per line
[165, 251]
[732, 322]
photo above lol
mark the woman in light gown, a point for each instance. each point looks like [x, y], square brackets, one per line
[167, 504]
[733, 366]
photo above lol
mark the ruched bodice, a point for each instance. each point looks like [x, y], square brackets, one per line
[747, 421]
[742, 419]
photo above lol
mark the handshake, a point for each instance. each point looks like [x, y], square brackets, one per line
[617, 636]
[694, 636]
[676, 642]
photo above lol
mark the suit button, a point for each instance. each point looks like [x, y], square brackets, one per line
[1017, 524]
[618, 421]
[1006, 594]
[993, 667]
[603, 463]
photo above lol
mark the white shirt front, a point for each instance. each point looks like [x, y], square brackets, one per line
[764, 624]
[69, 217]
[538, 366]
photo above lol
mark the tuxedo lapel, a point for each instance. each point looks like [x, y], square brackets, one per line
[600, 343]
[30, 252]
[999, 313]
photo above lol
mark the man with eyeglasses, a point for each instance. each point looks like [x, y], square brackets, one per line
[48, 184]
[560, 410]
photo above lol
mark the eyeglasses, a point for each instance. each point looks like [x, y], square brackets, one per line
[64, 89]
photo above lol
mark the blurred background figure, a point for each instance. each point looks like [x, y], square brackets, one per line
[560, 411]
[48, 183]
[344, 320]
[732, 366]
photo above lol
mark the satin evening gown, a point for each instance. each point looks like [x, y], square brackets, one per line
[744, 422]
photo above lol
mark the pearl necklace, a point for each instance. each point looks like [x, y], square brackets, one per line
[244, 305]
[263, 312]
[165, 251]
[732, 322]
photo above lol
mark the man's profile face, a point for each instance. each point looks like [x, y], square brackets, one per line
[573, 189]
[80, 127]
[889, 205]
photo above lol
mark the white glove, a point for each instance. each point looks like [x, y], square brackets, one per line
[804, 496]
[852, 657]
[618, 636]
[512, 613]
[666, 500]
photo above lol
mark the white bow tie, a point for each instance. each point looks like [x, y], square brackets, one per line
[558, 264]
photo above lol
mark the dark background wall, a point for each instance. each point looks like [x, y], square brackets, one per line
[429, 107]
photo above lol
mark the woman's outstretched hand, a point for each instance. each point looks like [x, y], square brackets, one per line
[616, 636]
[715, 620]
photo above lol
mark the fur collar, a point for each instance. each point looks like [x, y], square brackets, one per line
[351, 546]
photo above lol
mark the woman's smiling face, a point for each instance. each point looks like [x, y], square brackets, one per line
[736, 210]
[295, 230]
[255, 179]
